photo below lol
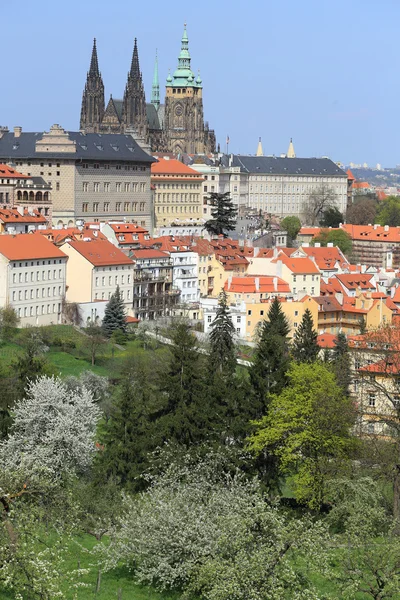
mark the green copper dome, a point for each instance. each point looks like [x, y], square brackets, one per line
[183, 76]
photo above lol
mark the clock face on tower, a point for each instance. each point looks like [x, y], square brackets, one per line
[178, 110]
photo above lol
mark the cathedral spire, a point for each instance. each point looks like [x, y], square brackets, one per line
[259, 148]
[155, 90]
[94, 63]
[135, 69]
[184, 56]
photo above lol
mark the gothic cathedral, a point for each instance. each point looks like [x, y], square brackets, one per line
[176, 126]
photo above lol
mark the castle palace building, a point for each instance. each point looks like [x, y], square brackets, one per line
[177, 126]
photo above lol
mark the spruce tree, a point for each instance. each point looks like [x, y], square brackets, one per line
[222, 355]
[186, 415]
[341, 363]
[271, 360]
[114, 315]
[305, 347]
[223, 214]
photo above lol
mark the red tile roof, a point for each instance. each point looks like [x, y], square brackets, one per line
[257, 285]
[57, 236]
[352, 281]
[326, 257]
[7, 172]
[297, 265]
[326, 340]
[361, 185]
[173, 167]
[314, 231]
[148, 253]
[350, 175]
[127, 228]
[25, 246]
[100, 253]
[373, 233]
[12, 215]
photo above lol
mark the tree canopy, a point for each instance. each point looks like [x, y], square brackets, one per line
[338, 237]
[292, 225]
[222, 355]
[114, 314]
[319, 200]
[331, 217]
[389, 212]
[223, 214]
[305, 347]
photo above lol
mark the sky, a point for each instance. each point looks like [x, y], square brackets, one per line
[326, 74]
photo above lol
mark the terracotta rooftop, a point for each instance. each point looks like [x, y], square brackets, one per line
[7, 172]
[12, 215]
[373, 233]
[257, 285]
[326, 340]
[297, 265]
[25, 246]
[173, 167]
[100, 253]
[148, 253]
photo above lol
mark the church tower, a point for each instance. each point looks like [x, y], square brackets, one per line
[184, 130]
[93, 97]
[134, 103]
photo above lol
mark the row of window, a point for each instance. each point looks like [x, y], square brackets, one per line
[37, 310]
[178, 197]
[40, 276]
[107, 296]
[117, 167]
[119, 187]
[313, 278]
[189, 284]
[289, 178]
[303, 189]
[127, 207]
[178, 209]
[178, 186]
[30, 294]
[117, 281]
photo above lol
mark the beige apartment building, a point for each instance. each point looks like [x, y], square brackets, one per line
[95, 269]
[32, 278]
[178, 197]
[93, 177]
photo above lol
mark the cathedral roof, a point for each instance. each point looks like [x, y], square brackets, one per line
[90, 146]
[267, 165]
[152, 117]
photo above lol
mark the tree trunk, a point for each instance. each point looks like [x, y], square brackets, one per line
[396, 499]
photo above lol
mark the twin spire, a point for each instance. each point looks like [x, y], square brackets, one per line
[290, 153]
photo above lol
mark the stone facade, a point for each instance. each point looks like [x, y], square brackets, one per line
[93, 177]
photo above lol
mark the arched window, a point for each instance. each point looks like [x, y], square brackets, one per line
[19, 195]
[31, 197]
[25, 197]
[39, 197]
[46, 197]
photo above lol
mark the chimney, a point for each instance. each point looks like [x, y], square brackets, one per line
[386, 228]
[279, 268]
[20, 209]
[229, 282]
[256, 251]
[376, 226]
[329, 245]
[257, 283]
[317, 245]
[275, 284]
[17, 131]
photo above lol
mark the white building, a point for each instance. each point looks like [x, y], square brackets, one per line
[210, 174]
[32, 278]
[184, 275]
[238, 315]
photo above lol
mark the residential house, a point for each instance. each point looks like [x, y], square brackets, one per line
[32, 278]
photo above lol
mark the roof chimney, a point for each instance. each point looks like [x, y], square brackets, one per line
[17, 131]
[275, 284]
[257, 283]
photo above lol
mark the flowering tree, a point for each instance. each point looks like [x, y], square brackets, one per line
[53, 430]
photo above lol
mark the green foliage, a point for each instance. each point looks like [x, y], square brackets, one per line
[292, 225]
[338, 237]
[389, 212]
[9, 320]
[341, 363]
[223, 214]
[331, 217]
[271, 358]
[305, 348]
[95, 341]
[307, 427]
[114, 314]
[222, 355]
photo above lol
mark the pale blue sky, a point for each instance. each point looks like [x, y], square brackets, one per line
[325, 73]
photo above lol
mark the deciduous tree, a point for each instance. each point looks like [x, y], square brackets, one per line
[318, 201]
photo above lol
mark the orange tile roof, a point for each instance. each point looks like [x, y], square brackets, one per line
[373, 233]
[350, 175]
[396, 296]
[127, 228]
[380, 194]
[100, 253]
[314, 231]
[297, 265]
[11, 215]
[352, 281]
[361, 185]
[7, 172]
[248, 285]
[326, 257]
[148, 253]
[57, 236]
[173, 167]
[25, 246]
[326, 340]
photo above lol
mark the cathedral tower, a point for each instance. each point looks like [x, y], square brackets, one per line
[134, 103]
[184, 130]
[93, 97]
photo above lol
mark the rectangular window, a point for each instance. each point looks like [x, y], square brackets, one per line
[118, 187]
[126, 206]
[96, 186]
[85, 207]
[127, 186]
[106, 206]
[371, 399]
[118, 206]
[95, 207]
[107, 187]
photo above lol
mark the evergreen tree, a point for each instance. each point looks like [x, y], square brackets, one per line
[223, 214]
[271, 360]
[305, 348]
[222, 355]
[341, 363]
[114, 315]
[129, 433]
[186, 415]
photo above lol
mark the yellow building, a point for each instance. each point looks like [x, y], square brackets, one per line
[177, 193]
[256, 312]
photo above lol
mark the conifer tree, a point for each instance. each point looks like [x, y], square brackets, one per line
[341, 363]
[114, 315]
[223, 214]
[222, 355]
[186, 413]
[305, 347]
[271, 360]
